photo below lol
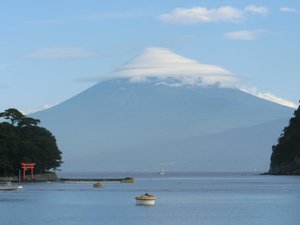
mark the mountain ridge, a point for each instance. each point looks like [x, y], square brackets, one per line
[119, 114]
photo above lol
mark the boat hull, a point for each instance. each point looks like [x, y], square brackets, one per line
[8, 188]
[145, 202]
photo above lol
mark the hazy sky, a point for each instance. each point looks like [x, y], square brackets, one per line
[52, 50]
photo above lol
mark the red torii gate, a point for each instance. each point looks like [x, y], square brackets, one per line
[26, 166]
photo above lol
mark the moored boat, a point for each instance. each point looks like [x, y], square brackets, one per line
[98, 185]
[8, 186]
[145, 199]
[161, 172]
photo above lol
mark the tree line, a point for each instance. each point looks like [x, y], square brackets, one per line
[285, 157]
[23, 140]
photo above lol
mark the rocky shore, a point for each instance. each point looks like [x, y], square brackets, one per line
[286, 168]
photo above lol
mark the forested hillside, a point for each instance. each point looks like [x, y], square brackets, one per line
[22, 140]
[285, 159]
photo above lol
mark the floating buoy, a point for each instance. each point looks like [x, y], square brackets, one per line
[98, 185]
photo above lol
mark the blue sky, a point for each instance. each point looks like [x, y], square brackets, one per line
[53, 50]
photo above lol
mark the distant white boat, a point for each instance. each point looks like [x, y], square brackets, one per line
[161, 172]
[145, 199]
[8, 186]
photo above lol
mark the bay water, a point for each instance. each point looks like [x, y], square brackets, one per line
[182, 199]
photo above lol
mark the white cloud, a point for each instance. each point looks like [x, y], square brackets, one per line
[40, 108]
[269, 97]
[163, 64]
[247, 35]
[168, 68]
[203, 15]
[257, 9]
[287, 10]
[61, 53]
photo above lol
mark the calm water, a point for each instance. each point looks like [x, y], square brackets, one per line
[207, 199]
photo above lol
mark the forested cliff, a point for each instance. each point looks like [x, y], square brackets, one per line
[285, 159]
[22, 140]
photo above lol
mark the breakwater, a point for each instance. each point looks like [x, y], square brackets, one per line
[81, 180]
[51, 176]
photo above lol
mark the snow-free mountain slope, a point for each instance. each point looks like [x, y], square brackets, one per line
[112, 125]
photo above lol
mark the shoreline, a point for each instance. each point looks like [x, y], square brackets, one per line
[52, 177]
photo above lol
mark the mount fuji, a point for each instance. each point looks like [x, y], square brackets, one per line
[187, 117]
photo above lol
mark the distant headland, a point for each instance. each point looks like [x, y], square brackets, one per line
[22, 140]
[285, 159]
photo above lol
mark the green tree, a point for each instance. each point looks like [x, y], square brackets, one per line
[39, 145]
[8, 148]
[16, 118]
[28, 122]
[285, 158]
[22, 140]
[13, 115]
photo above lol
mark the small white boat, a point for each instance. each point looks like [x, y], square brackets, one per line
[8, 186]
[161, 172]
[145, 199]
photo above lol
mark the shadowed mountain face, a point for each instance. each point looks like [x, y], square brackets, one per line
[119, 125]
